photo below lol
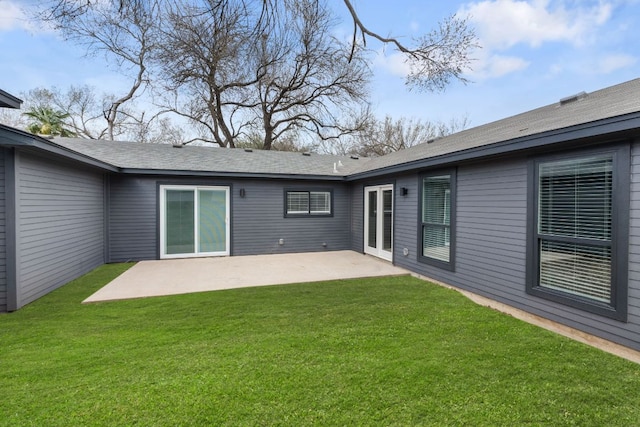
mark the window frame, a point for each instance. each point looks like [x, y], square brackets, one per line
[621, 185]
[308, 213]
[445, 265]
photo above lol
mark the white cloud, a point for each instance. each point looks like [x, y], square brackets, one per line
[11, 16]
[614, 62]
[14, 16]
[490, 65]
[394, 63]
[594, 65]
[499, 65]
[485, 65]
[502, 24]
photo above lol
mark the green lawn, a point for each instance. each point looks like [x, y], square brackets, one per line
[386, 351]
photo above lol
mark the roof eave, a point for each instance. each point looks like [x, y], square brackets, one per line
[18, 139]
[220, 174]
[9, 101]
[610, 126]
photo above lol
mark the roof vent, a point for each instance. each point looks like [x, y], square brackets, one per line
[248, 150]
[306, 153]
[573, 98]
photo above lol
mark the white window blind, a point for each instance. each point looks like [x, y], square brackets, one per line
[436, 217]
[574, 226]
[320, 202]
[309, 202]
[297, 202]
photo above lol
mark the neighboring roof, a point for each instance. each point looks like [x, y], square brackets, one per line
[580, 109]
[165, 158]
[9, 101]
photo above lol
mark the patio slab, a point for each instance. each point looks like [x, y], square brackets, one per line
[181, 276]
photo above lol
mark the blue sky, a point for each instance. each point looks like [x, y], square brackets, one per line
[533, 53]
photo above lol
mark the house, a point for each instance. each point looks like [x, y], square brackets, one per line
[9, 101]
[539, 211]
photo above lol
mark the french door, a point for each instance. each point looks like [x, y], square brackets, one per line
[378, 221]
[194, 221]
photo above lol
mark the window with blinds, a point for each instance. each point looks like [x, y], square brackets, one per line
[308, 203]
[297, 202]
[578, 237]
[436, 219]
[574, 226]
[319, 202]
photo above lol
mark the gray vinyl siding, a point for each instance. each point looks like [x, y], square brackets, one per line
[257, 220]
[491, 244]
[491, 230]
[357, 217]
[3, 240]
[259, 223]
[633, 306]
[132, 218]
[405, 221]
[357, 209]
[60, 224]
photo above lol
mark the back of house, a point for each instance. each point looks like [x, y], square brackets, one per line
[539, 211]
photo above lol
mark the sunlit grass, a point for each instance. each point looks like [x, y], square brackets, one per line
[384, 351]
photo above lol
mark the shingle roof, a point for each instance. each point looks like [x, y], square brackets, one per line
[602, 104]
[616, 103]
[165, 157]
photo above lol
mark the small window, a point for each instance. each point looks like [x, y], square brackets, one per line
[437, 219]
[577, 244]
[304, 203]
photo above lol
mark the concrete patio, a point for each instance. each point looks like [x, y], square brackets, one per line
[181, 276]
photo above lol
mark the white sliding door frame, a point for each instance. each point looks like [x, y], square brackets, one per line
[378, 248]
[196, 229]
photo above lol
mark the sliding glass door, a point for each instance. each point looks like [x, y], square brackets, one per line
[194, 221]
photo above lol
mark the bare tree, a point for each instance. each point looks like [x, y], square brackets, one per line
[386, 136]
[122, 31]
[84, 109]
[242, 71]
[156, 129]
[83, 106]
[210, 65]
[13, 117]
[235, 66]
[435, 58]
[312, 81]
[85, 112]
[290, 142]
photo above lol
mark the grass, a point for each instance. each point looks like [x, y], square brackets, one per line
[385, 351]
